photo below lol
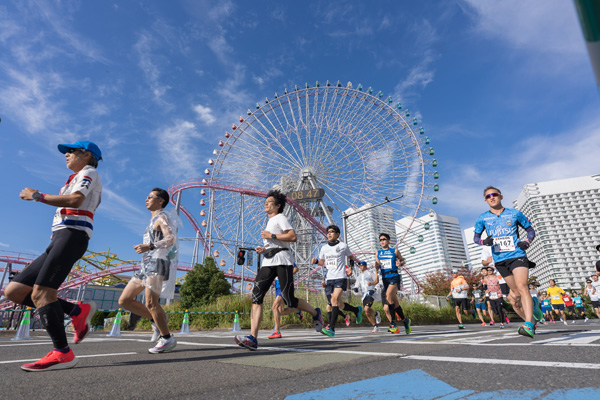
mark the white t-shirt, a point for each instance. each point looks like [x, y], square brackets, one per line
[277, 225]
[486, 252]
[363, 280]
[595, 296]
[335, 260]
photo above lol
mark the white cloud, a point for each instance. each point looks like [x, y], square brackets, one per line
[538, 158]
[4, 245]
[122, 210]
[147, 63]
[177, 146]
[205, 114]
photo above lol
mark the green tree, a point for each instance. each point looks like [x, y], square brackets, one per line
[203, 285]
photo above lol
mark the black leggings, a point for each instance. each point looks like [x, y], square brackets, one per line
[265, 278]
[497, 307]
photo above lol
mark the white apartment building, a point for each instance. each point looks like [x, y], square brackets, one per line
[433, 243]
[566, 217]
[363, 230]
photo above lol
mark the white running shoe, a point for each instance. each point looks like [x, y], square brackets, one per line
[565, 322]
[155, 333]
[586, 319]
[377, 317]
[163, 345]
[375, 329]
[573, 321]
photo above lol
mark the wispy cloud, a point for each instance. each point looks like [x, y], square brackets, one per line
[182, 138]
[120, 209]
[4, 245]
[571, 153]
[60, 25]
[148, 65]
[205, 114]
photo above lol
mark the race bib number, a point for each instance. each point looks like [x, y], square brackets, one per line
[386, 264]
[503, 244]
[555, 297]
[331, 262]
[493, 295]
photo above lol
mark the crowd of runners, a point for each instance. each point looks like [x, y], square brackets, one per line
[504, 276]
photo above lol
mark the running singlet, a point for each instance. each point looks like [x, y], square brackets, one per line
[335, 260]
[546, 303]
[88, 183]
[595, 296]
[555, 295]
[578, 301]
[503, 229]
[493, 287]
[387, 258]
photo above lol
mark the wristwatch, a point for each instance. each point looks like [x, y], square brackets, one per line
[273, 236]
[36, 196]
[152, 246]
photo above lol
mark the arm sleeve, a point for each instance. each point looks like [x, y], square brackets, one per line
[530, 233]
[477, 237]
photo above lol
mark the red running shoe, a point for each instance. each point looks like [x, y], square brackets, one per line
[275, 335]
[81, 322]
[53, 360]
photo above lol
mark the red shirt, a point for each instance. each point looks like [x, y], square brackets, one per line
[568, 301]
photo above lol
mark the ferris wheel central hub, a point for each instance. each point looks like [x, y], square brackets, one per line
[307, 172]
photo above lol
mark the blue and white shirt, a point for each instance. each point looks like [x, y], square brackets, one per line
[503, 229]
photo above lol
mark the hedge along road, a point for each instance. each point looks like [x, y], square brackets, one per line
[209, 365]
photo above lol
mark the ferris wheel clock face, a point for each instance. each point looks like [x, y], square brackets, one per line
[330, 148]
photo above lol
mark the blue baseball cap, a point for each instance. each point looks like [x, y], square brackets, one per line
[363, 263]
[82, 144]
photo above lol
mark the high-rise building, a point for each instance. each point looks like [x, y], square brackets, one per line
[433, 244]
[566, 217]
[473, 249]
[363, 229]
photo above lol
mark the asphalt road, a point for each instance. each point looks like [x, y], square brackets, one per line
[433, 362]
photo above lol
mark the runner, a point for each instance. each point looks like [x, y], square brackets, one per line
[546, 308]
[279, 310]
[156, 278]
[579, 306]
[459, 291]
[367, 282]
[501, 225]
[558, 304]
[388, 261]
[593, 291]
[333, 257]
[570, 306]
[487, 260]
[277, 262]
[495, 292]
[484, 273]
[478, 299]
[37, 284]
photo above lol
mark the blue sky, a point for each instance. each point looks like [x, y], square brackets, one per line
[504, 89]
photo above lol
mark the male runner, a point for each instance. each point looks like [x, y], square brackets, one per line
[279, 310]
[277, 261]
[158, 249]
[388, 260]
[546, 308]
[333, 256]
[558, 305]
[37, 285]
[366, 282]
[459, 291]
[592, 290]
[501, 225]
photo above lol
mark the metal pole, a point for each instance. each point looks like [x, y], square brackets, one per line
[242, 226]
[178, 203]
[8, 270]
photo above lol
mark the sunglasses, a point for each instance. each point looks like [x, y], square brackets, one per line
[490, 195]
[331, 232]
[382, 239]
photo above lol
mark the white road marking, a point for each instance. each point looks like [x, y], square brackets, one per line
[490, 361]
[85, 356]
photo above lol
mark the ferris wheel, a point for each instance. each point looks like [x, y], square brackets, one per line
[334, 150]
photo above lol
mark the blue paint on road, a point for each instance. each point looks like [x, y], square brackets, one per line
[417, 384]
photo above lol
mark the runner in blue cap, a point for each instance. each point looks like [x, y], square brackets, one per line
[37, 285]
